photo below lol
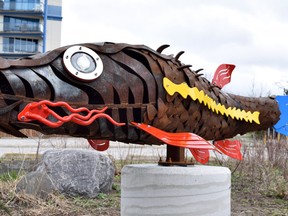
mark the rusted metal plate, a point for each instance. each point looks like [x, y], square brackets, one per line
[15, 82]
[140, 70]
[35, 86]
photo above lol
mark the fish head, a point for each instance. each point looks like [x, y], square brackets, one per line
[116, 78]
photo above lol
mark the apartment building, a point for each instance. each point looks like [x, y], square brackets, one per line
[28, 27]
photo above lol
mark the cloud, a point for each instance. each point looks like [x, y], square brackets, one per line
[250, 34]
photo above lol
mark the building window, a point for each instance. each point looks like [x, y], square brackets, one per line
[22, 45]
[21, 24]
[22, 5]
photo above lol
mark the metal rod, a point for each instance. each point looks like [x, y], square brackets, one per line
[175, 154]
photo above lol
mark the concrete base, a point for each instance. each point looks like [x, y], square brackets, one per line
[149, 189]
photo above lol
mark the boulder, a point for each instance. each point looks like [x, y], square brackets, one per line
[36, 183]
[72, 172]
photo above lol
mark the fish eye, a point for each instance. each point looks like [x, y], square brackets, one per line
[82, 63]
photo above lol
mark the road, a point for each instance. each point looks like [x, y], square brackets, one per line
[116, 150]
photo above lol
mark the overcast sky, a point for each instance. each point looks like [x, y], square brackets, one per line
[252, 34]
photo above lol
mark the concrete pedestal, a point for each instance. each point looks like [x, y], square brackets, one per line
[149, 189]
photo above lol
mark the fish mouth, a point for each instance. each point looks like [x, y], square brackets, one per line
[9, 107]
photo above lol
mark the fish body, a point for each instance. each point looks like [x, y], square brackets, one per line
[129, 84]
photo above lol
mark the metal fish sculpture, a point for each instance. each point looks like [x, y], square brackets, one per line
[128, 93]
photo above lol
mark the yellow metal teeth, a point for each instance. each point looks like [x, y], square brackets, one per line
[184, 90]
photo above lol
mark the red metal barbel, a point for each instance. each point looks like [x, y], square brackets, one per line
[40, 111]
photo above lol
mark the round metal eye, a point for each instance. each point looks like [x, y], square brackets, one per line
[83, 63]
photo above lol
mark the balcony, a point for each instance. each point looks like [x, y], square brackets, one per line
[16, 49]
[18, 29]
[22, 7]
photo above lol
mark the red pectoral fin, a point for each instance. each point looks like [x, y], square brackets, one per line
[196, 144]
[99, 145]
[232, 148]
[222, 75]
[184, 140]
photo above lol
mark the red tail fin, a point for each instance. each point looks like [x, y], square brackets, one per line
[230, 148]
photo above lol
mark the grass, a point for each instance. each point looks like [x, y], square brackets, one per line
[10, 176]
[260, 181]
[259, 187]
[12, 203]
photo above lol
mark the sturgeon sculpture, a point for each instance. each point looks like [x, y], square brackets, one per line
[128, 93]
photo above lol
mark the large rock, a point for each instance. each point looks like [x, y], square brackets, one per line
[36, 183]
[72, 172]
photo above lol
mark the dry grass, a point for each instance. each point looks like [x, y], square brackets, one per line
[260, 181]
[12, 203]
[259, 187]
